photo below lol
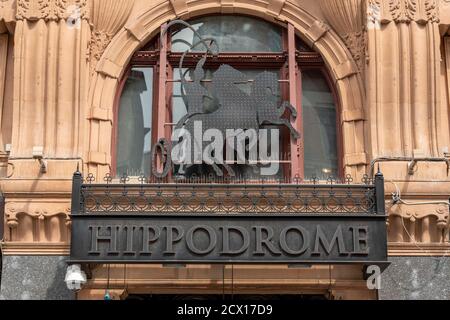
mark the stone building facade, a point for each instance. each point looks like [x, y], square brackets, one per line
[62, 63]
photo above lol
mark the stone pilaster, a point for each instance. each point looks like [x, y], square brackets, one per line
[49, 110]
[407, 117]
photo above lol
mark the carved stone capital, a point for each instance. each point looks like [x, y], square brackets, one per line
[52, 10]
[407, 11]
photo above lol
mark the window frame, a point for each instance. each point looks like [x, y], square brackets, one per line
[290, 62]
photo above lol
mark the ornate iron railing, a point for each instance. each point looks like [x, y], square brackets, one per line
[203, 196]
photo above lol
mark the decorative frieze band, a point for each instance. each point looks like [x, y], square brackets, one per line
[52, 10]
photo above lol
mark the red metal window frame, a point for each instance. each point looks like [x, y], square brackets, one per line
[290, 62]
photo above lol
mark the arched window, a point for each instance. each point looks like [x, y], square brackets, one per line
[151, 104]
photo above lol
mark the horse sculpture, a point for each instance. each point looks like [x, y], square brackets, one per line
[235, 110]
[238, 110]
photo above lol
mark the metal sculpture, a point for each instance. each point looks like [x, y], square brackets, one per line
[234, 108]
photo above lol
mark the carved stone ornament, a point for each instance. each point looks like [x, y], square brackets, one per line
[108, 17]
[406, 11]
[52, 10]
[430, 219]
[40, 222]
[7, 10]
[347, 17]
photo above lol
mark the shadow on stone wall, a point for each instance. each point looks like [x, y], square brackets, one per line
[34, 278]
[416, 278]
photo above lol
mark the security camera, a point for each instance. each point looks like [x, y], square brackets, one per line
[75, 277]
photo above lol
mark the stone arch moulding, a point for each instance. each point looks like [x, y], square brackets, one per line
[139, 30]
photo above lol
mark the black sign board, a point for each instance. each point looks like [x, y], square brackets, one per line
[336, 222]
[229, 239]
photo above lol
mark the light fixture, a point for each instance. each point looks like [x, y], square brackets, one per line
[75, 277]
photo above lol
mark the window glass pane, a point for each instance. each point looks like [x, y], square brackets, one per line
[179, 109]
[134, 127]
[232, 33]
[301, 45]
[319, 118]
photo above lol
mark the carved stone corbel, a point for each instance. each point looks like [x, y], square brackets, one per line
[38, 222]
[422, 218]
